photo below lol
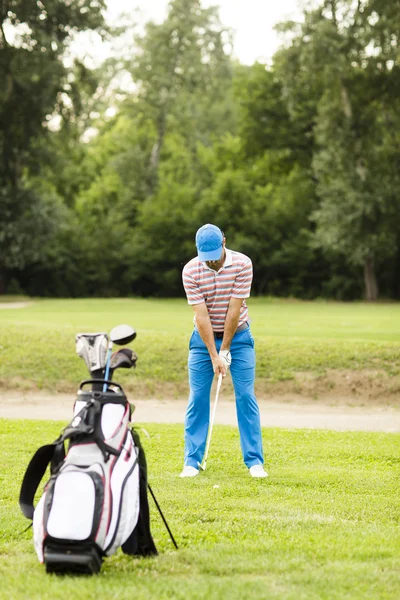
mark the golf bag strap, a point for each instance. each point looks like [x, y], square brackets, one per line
[34, 475]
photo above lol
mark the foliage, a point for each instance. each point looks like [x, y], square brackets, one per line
[178, 64]
[353, 169]
[33, 37]
[297, 161]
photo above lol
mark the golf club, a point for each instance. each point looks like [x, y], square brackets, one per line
[92, 347]
[203, 466]
[120, 335]
[124, 358]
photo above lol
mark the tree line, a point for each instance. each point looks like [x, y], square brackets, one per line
[103, 186]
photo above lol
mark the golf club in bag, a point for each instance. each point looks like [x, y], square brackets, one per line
[95, 500]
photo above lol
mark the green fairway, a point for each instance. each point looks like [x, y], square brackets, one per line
[324, 525]
[37, 343]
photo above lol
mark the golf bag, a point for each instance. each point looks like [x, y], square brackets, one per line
[95, 500]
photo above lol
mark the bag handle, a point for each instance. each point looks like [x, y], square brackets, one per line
[107, 381]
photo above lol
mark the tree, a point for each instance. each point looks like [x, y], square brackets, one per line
[350, 48]
[268, 119]
[181, 68]
[33, 37]
[276, 137]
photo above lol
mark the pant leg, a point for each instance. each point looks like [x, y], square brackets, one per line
[197, 418]
[248, 414]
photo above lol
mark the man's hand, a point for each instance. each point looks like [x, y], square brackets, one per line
[226, 357]
[220, 365]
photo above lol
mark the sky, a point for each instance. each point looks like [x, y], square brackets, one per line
[252, 22]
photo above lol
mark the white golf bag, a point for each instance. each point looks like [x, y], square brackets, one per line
[96, 498]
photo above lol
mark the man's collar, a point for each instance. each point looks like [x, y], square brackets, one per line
[227, 262]
[228, 258]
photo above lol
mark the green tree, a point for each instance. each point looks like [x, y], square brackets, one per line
[182, 70]
[144, 165]
[276, 137]
[350, 49]
[269, 115]
[33, 37]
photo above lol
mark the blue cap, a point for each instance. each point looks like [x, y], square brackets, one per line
[209, 239]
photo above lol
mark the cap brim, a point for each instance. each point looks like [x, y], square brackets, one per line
[212, 255]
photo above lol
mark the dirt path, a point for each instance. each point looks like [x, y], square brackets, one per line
[14, 304]
[274, 413]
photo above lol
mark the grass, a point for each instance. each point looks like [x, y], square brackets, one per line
[37, 343]
[324, 525]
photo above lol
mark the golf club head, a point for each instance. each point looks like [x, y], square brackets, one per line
[122, 334]
[92, 347]
[125, 358]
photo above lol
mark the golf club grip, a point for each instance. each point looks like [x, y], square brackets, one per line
[107, 381]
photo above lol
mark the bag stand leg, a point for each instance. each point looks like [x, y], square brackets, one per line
[162, 516]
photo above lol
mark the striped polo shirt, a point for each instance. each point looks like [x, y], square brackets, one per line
[233, 280]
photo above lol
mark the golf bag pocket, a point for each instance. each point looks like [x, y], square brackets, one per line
[71, 509]
[76, 499]
[114, 420]
[124, 487]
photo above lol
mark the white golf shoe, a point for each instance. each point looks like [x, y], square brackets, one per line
[189, 471]
[258, 471]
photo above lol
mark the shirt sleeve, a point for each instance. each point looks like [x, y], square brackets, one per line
[242, 286]
[192, 290]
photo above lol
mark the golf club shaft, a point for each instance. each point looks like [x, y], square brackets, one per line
[212, 419]
[110, 345]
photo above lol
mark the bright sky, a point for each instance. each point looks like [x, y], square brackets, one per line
[252, 22]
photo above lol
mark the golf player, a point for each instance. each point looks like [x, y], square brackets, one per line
[217, 282]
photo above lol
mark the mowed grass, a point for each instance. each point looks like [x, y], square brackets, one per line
[37, 343]
[324, 525]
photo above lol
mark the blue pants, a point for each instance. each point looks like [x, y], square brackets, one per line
[201, 375]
